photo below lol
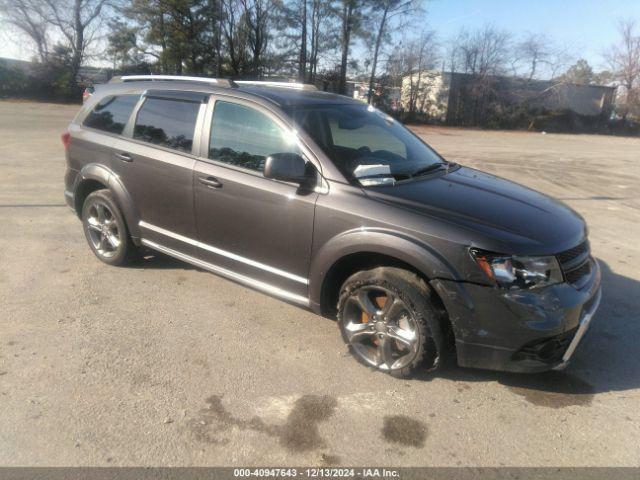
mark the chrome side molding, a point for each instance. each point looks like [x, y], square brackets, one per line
[224, 253]
[250, 282]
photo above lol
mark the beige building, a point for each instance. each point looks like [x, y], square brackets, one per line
[445, 96]
[428, 91]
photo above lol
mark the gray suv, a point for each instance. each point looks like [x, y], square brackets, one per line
[333, 205]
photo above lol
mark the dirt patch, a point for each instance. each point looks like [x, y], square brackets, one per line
[331, 460]
[404, 430]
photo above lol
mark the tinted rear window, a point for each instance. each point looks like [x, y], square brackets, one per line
[165, 122]
[112, 113]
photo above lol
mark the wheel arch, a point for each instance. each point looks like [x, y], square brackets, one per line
[96, 177]
[364, 249]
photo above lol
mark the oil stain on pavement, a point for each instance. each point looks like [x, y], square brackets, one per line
[299, 433]
[404, 430]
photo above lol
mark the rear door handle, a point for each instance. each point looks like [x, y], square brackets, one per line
[125, 157]
[211, 182]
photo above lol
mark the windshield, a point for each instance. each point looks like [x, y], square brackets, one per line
[365, 143]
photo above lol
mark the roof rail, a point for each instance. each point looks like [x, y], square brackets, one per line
[294, 85]
[220, 82]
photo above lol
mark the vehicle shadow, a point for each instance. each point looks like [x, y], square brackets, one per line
[606, 360]
[160, 261]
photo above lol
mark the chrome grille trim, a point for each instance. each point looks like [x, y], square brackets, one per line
[575, 263]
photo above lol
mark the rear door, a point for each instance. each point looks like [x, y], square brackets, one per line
[157, 165]
[256, 227]
[103, 130]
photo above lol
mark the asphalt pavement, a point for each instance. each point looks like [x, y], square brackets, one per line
[164, 364]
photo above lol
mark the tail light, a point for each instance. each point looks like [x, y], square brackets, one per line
[66, 139]
[86, 93]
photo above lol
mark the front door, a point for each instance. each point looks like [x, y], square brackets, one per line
[248, 224]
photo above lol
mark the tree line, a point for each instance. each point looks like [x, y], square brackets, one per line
[378, 42]
[238, 38]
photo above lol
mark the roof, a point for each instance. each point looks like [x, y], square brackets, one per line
[279, 93]
[289, 97]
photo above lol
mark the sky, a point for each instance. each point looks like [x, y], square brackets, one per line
[587, 27]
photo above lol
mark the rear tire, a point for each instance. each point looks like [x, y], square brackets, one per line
[388, 321]
[105, 229]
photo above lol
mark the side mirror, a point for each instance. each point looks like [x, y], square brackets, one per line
[287, 167]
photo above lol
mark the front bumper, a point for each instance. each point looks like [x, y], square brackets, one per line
[519, 331]
[585, 323]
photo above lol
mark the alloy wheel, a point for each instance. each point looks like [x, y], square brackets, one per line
[103, 229]
[380, 328]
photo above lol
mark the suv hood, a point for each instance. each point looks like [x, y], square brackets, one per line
[508, 212]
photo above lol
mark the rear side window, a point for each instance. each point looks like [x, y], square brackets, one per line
[166, 122]
[112, 113]
[245, 137]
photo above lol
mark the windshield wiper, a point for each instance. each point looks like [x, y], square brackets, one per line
[429, 168]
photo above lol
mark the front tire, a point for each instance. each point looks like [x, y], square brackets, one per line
[105, 229]
[387, 319]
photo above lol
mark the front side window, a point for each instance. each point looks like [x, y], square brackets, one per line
[111, 114]
[166, 122]
[364, 142]
[245, 137]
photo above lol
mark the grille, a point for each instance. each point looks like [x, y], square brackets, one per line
[575, 263]
[549, 350]
[574, 276]
[568, 255]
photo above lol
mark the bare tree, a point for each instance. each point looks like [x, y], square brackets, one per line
[531, 53]
[27, 16]
[74, 24]
[219, 20]
[256, 17]
[537, 55]
[482, 55]
[417, 56]
[235, 35]
[624, 59]
[316, 18]
[302, 63]
[349, 18]
[298, 24]
[323, 36]
[560, 58]
[485, 51]
[388, 10]
[452, 52]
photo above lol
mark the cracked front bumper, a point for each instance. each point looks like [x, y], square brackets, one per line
[519, 330]
[585, 323]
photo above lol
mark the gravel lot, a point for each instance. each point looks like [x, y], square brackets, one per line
[163, 364]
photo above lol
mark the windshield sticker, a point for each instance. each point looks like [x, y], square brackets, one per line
[369, 175]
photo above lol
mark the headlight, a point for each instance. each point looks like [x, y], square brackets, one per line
[518, 271]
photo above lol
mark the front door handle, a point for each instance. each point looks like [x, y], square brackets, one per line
[211, 182]
[125, 157]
